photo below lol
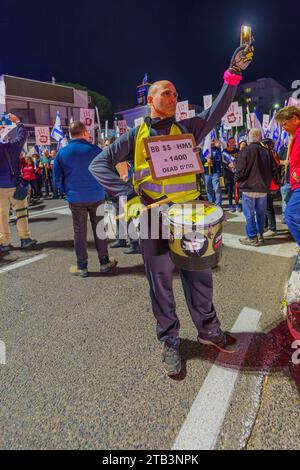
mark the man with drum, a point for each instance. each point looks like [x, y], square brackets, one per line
[197, 285]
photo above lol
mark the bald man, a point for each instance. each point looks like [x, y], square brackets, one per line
[197, 285]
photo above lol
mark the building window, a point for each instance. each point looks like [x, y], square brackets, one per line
[39, 114]
[63, 111]
[19, 108]
[248, 90]
[76, 114]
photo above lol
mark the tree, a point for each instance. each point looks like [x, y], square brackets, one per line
[103, 104]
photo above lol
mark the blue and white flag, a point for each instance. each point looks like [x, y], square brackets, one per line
[271, 127]
[207, 146]
[57, 132]
[256, 121]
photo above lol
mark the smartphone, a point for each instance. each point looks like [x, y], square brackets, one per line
[246, 35]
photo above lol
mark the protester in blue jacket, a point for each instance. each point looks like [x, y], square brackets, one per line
[84, 194]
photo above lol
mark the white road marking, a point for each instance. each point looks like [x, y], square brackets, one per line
[286, 250]
[203, 423]
[65, 211]
[39, 213]
[19, 264]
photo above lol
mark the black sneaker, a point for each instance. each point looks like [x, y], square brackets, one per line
[132, 250]
[118, 244]
[27, 242]
[224, 342]
[107, 267]
[171, 359]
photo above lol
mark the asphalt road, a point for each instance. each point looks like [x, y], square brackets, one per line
[83, 368]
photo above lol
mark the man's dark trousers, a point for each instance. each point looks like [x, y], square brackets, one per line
[80, 211]
[198, 289]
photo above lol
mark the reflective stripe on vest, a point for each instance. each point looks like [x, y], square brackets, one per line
[169, 188]
[178, 189]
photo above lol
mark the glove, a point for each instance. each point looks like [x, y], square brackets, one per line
[241, 58]
[133, 208]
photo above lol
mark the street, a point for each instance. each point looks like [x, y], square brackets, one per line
[83, 365]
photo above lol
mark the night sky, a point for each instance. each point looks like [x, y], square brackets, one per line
[109, 45]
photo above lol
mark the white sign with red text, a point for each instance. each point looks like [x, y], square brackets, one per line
[234, 116]
[122, 126]
[42, 135]
[87, 117]
[182, 110]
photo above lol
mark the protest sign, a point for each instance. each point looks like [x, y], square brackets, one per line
[42, 136]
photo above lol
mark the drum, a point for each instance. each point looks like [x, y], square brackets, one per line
[195, 235]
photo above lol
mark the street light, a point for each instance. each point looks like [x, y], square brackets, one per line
[276, 106]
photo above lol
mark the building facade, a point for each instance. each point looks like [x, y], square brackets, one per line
[36, 103]
[264, 94]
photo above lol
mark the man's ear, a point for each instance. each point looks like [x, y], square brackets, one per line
[150, 100]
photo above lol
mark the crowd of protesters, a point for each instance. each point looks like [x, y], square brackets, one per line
[249, 172]
[248, 169]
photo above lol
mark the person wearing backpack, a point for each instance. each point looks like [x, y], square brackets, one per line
[10, 171]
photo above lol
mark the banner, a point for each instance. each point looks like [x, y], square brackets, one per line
[87, 117]
[207, 101]
[182, 110]
[42, 136]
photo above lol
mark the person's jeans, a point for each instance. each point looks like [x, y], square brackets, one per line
[285, 196]
[254, 209]
[270, 214]
[292, 215]
[80, 211]
[213, 188]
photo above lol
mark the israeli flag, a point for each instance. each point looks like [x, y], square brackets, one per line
[256, 121]
[207, 146]
[271, 127]
[57, 133]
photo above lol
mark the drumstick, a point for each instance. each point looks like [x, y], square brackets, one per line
[151, 206]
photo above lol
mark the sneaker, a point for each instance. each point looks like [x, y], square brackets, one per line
[27, 242]
[171, 359]
[78, 272]
[224, 342]
[270, 233]
[132, 250]
[238, 208]
[105, 268]
[118, 244]
[4, 248]
[231, 209]
[249, 241]
[261, 238]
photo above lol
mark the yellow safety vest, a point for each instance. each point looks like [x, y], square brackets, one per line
[184, 188]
